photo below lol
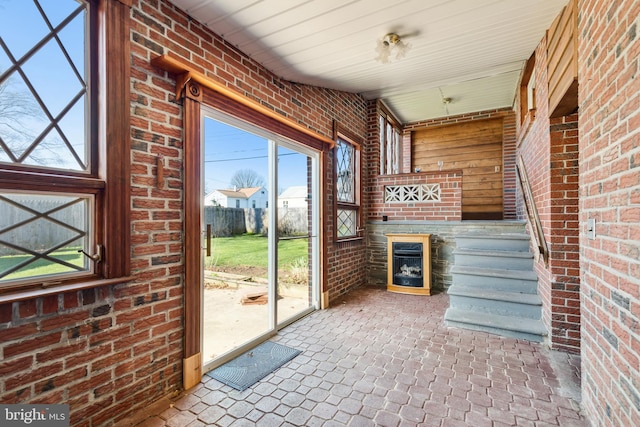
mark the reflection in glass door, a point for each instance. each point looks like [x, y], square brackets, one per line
[296, 235]
[260, 236]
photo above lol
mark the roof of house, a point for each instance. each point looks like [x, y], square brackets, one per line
[240, 193]
[295, 192]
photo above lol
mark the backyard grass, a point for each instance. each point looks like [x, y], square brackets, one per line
[250, 250]
[40, 267]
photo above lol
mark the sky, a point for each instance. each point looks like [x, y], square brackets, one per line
[229, 149]
[50, 73]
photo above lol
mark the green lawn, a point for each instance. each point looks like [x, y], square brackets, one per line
[40, 267]
[251, 250]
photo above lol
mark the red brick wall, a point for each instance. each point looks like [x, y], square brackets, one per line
[508, 147]
[549, 151]
[564, 258]
[609, 146]
[112, 350]
[449, 208]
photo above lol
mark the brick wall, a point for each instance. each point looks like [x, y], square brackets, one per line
[564, 257]
[448, 208]
[112, 350]
[609, 147]
[549, 151]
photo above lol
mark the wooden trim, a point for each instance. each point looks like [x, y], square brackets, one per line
[192, 225]
[532, 210]
[324, 223]
[28, 180]
[340, 131]
[174, 65]
[389, 116]
[32, 293]
[234, 109]
[523, 87]
[115, 156]
[191, 371]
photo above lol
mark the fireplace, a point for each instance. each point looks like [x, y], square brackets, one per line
[409, 263]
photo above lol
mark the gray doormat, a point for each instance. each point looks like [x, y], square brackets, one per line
[250, 367]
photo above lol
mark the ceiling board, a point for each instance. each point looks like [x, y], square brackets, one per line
[473, 49]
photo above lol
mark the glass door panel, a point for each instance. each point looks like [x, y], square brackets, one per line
[260, 225]
[235, 278]
[296, 234]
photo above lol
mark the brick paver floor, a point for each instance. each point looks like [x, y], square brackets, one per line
[383, 359]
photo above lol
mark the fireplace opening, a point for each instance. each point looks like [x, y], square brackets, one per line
[407, 264]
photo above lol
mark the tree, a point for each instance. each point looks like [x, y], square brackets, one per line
[17, 108]
[20, 116]
[247, 178]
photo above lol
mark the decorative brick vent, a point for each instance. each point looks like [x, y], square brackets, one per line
[412, 193]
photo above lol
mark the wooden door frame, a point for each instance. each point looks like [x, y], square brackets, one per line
[192, 362]
[194, 89]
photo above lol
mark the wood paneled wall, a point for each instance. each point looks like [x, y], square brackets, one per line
[475, 148]
[562, 54]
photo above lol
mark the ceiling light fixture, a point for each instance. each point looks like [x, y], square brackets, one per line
[390, 48]
[446, 101]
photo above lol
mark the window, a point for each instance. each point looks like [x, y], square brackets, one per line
[54, 210]
[253, 204]
[237, 203]
[347, 161]
[390, 141]
[528, 91]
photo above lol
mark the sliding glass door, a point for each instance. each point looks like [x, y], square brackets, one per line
[260, 228]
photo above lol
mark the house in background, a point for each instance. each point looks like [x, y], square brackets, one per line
[294, 197]
[246, 198]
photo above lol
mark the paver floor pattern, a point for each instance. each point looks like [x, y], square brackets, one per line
[383, 359]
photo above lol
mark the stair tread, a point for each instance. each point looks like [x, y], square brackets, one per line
[496, 295]
[495, 253]
[494, 272]
[510, 323]
[503, 236]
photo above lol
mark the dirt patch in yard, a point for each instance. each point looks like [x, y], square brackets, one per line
[258, 274]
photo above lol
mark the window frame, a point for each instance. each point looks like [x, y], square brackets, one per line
[342, 134]
[527, 92]
[386, 123]
[109, 163]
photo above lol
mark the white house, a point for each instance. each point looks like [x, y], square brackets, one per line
[294, 197]
[254, 197]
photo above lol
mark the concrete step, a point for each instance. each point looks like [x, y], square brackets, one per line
[494, 242]
[515, 327]
[495, 278]
[502, 303]
[506, 260]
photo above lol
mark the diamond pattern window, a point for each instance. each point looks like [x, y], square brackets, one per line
[54, 214]
[347, 159]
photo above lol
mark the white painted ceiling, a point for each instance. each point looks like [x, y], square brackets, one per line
[471, 51]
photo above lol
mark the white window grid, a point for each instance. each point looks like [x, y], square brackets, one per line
[412, 193]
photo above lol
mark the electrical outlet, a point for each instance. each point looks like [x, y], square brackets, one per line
[497, 169]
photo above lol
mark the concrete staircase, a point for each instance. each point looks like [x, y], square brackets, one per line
[494, 287]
